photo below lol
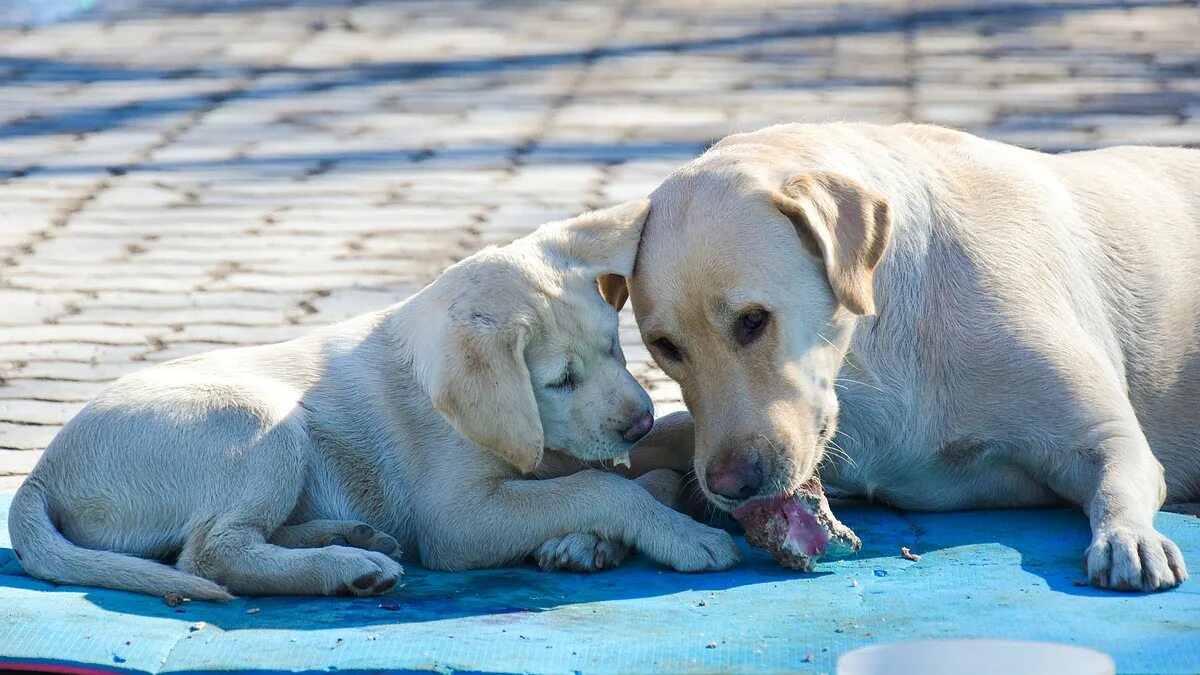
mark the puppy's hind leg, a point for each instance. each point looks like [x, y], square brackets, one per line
[230, 544]
[239, 556]
[319, 533]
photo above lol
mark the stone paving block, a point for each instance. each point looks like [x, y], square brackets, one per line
[83, 249]
[1182, 135]
[21, 447]
[219, 334]
[345, 304]
[178, 350]
[139, 270]
[50, 390]
[136, 316]
[150, 300]
[399, 246]
[962, 115]
[68, 351]
[350, 266]
[72, 371]
[87, 333]
[21, 308]
[317, 282]
[90, 283]
[51, 413]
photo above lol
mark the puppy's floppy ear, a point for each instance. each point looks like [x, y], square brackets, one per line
[481, 384]
[843, 223]
[605, 242]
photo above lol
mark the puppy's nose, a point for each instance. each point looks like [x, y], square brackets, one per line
[738, 476]
[641, 427]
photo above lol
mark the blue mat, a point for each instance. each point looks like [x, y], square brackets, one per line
[1009, 574]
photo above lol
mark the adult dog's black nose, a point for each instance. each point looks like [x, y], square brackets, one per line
[640, 427]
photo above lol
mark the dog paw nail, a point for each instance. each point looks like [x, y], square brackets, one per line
[366, 581]
[385, 585]
[385, 546]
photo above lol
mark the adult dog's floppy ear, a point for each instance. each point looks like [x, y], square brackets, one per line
[481, 384]
[605, 242]
[843, 223]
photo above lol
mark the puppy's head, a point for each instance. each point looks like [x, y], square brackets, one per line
[525, 355]
[746, 289]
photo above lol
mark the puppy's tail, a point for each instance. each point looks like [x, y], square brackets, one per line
[46, 554]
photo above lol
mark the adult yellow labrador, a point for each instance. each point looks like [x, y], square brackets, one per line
[937, 321]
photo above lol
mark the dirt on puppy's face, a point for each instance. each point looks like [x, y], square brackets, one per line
[745, 293]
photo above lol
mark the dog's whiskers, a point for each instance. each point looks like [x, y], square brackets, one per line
[839, 432]
[827, 341]
[863, 384]
[841, 453]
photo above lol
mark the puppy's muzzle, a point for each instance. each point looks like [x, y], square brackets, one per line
[640, 427]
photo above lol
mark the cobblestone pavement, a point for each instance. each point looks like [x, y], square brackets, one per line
[186, 176]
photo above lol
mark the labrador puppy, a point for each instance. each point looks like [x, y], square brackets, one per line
[937, 321]
[306, 467]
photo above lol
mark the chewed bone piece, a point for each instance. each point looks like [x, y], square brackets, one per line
[798, 530]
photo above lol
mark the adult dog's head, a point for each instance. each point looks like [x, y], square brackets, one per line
[521, 352]
[749, 279]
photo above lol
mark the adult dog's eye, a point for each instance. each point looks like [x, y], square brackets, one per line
[750, 326]
[566, 381]
[668, 349]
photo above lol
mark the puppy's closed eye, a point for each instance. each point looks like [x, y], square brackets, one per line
[564, 382]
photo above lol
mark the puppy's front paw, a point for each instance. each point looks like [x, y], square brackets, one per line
[580, 552]
[693, 547]
[1134, 559]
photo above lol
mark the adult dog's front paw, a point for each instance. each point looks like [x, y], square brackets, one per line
[580, 552]
[1134, 559]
